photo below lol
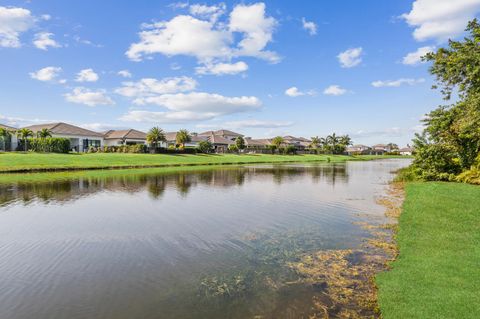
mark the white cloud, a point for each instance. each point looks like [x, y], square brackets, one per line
[13, 22]
[440, 19]
[87, 75]
[397, 83]
[211, 13]
[350, 58]
[257, 124]
[49, 73]
[43, 40]
[88, 97]
[209, 41]
[310, 26]
[193, 106]
[334, 90]
[125, 73]
[414, 58]
[151, 87]
[222, 68]
[294, 92]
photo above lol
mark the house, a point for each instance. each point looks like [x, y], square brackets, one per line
[358, 150]
[80, 139]
[406, 151]
[300, 143]
[124, 137]
[220, 143]
[11, 143]
[230, 135]
[171, 138]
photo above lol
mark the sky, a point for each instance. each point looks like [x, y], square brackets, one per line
[302, 68]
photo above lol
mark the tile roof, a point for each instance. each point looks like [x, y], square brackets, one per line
[125, 134]
[217, 139]
[257, 142]
[64, 129]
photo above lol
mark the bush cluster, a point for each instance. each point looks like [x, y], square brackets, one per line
[47, 145]
[137, 148]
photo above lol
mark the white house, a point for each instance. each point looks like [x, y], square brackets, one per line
[80, 139]
[124, 137]
[13, 143]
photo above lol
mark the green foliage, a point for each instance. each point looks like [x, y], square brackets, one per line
[49, 145]
[23, 134]
[135, 148]
[182, 137]
[155, 136]
[44, 133]
[233, 148]
[240, 143]
[277, 141]
[334, 144]
[205, 147]
[5, 137]
[472, 175]
[450, 142]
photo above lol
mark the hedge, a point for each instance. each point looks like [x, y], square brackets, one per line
[47, 145]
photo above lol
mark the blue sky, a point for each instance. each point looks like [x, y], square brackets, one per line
[262, 68]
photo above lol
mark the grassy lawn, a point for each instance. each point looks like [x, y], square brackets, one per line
[37, 161]
[437, 274]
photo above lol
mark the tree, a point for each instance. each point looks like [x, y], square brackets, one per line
[240, 143]
[155, 136]
[345, 140]
[315, 142]
[205, 147]
[277, 141]
[233, 148]
[5, 135]
[183, 137]
[453, 128]
[24, 134]
[44, 133]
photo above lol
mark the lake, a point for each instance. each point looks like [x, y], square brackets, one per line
[206, 243]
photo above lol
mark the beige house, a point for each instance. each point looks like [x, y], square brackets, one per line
[124, 137]
[80, 139]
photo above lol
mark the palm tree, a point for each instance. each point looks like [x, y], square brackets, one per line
[183, 137]
[155, 136]
[315, 142]
[331, 142]
[44, 133]
[5, 135]
[277, 141]
[24, 134]
[345, 140]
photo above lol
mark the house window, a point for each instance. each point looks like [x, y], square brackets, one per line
[88, 143]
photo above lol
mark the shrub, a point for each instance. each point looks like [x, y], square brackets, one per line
[48, 145]
[233, 148]
[205, 147]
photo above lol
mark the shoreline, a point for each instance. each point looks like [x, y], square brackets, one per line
[41, 162]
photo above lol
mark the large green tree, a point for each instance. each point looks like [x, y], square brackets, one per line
[23, 134]
[5, 135]
[44, 133]
[452, 131]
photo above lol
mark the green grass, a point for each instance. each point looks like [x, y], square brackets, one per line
[18, 162]
[437, 274]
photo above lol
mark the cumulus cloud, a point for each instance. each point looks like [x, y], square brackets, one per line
[222, 68]
[81, 95]
[211, 13]
[148, 87]
[13, 22]
[43, 40]
[124, 73]
[310, 26]
[294, 92]
[87, 75]
[440, 19]
[414, 58]
[247, 32]
[334, 90]
[184, 107]
[350, 58]
[47, 74]
[397, 83]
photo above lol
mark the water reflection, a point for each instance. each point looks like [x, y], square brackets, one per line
[66, 187]
[214, 243]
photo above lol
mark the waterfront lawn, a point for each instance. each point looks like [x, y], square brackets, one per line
[38, 161]
[437, 274]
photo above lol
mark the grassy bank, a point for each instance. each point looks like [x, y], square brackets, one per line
[437, 274]
[34, 162]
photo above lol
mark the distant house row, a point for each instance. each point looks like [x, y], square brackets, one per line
[82, 139]
[378, 149]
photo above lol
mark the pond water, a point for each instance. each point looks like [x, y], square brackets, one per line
[207, 243]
